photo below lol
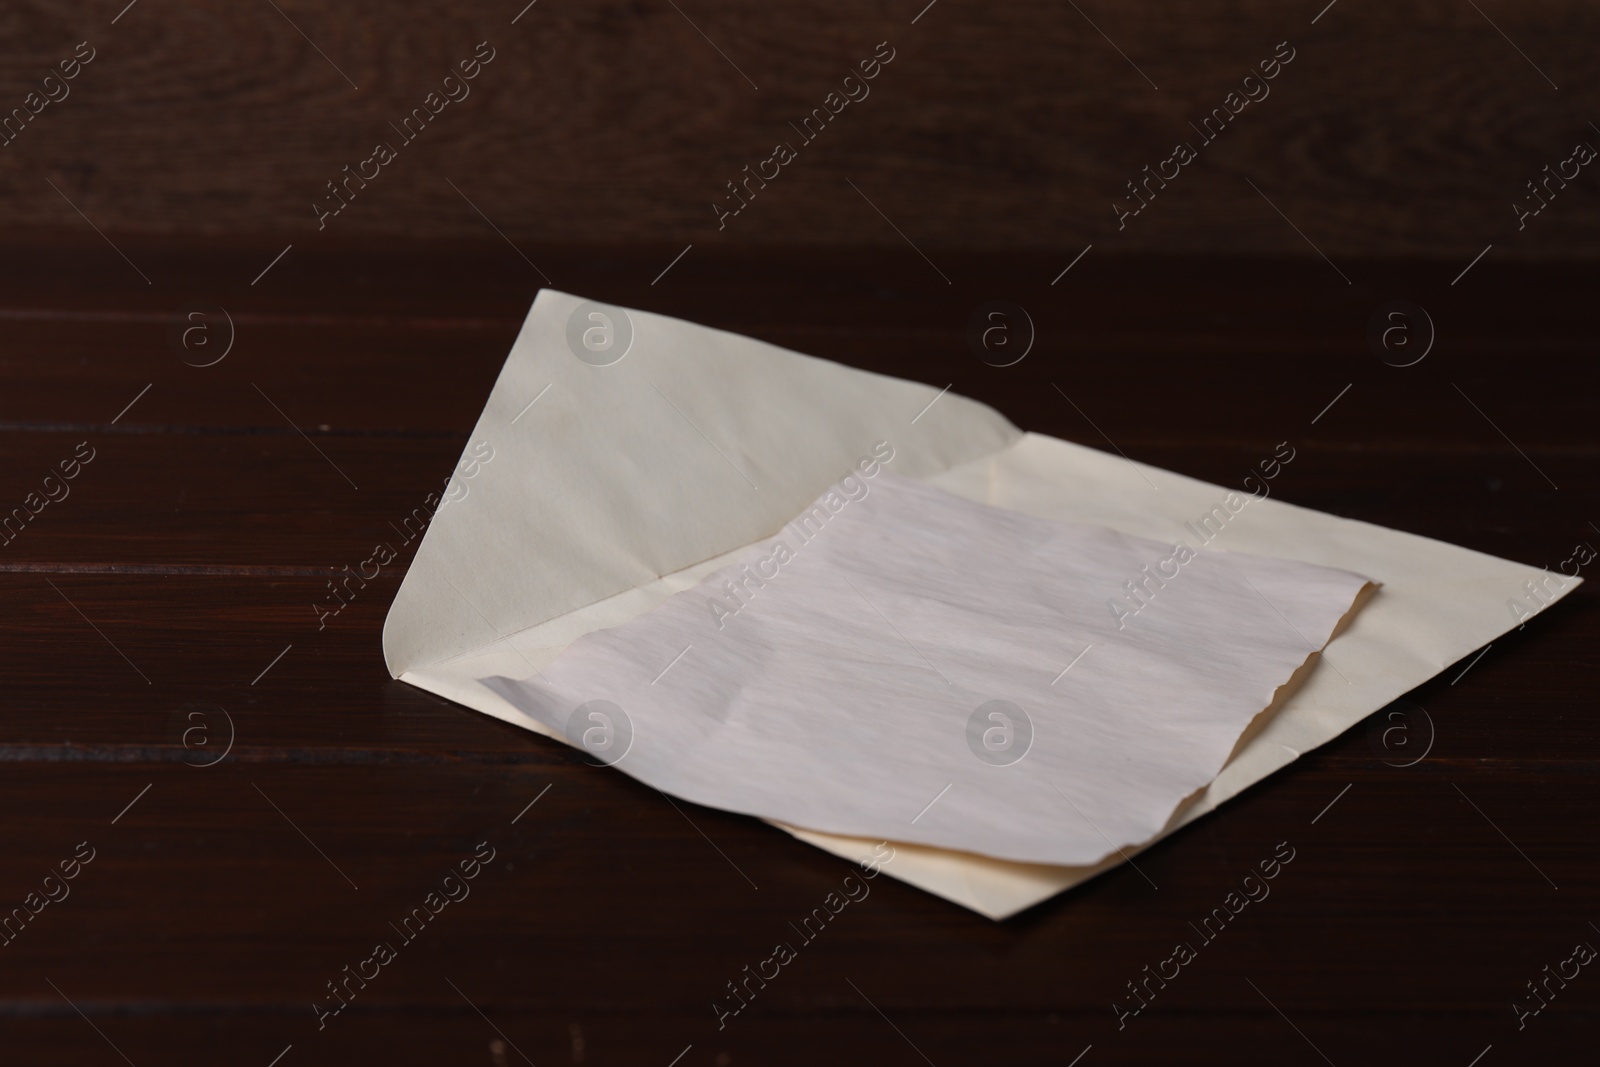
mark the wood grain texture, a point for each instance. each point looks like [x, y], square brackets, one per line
[1398, 130]
[159, 595]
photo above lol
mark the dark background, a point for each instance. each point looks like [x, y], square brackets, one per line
[1222, 320]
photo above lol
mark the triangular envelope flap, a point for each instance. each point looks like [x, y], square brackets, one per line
[589, 476]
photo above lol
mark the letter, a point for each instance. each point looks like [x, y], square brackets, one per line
[1162, 972]
[720, 612]
[339, 197]
[1184, 953]
[22, 119]
[469, 68]
[335, 991]
[1136, 195]
[1586, 560]
[1560, 168]
[884, 451]
[323, 1014]
[1266, 90]
[1121, 613]
[1279, 52]
[1222, 124]
[34, 502]
[723, 215]
[78, 852]
[865, 889]
[33, 98]
[1123, 215]
[748, 178]
[868, 467]
[735, 191]
[1136, 996]
[1270, 869]
[324, 614]
[362, 971]
[1146, 983]
[818, 515]
[1231, 898]
[784, 154]
[878, 51]
[323, 215]
[1547, 979]
[1218, 515]
[420, 117]
[761, 969]
[865, 89]
[804, 129]
[65, 89]
[384, 953]
[722, 1014]
[1549, 175]
[404, 929]
[745, 580]
[69, 68]
[460, 86]
[761, 569]
[1278, 852]
[70, 869]
[820, 916]
[61, 886]
[869, 68]
[349, 575]
[64, 488]
[71, 473]
[478, 851]
[1263, 492]
[1205, 926]
[21, 923]
[361, 168]
[870, 865]
[351, 976]
[479, 52]
[1149, 176]
[1232, 98]
[1583, 153]
[854, 488]
[1184, 553]
[383, 555]
[362, 569]
[434, 898]
[760, 983]
[1234, 503]
[1536, 996]
[18, 517]
[1161, 168]
[34, 898]
[1265, 889]
[1534, 189]
[829, 902]
[776, 169]
[1122, 1015]
[464, 889]
[1184, 154]
[1269, 68]
[833, 99]
[1520, 612]
[435, 103]
[1522, 1016]
[1579, 951]
[384, 154]
[1148, 578]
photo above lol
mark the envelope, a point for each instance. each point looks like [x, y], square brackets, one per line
[623, 456]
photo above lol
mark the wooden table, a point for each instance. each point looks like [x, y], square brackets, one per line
[164, 606]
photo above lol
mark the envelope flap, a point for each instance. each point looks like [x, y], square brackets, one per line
[619, 446]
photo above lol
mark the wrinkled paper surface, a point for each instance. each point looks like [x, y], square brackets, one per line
[905, 664]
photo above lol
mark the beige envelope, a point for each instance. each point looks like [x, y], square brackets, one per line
[624, 455]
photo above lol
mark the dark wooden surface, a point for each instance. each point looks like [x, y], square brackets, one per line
[190, 551]
[1398, 129]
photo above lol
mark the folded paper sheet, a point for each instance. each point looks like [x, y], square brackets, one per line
[894, 665]
[625, 483]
